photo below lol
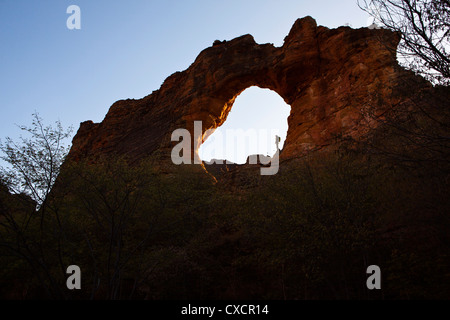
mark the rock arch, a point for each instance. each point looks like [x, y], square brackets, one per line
[325, 75]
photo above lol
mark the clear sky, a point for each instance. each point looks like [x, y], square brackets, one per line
[257, 116]
[125, 49]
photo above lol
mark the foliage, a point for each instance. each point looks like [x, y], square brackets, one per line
[150, 230]
[425, 29]
[35, 161]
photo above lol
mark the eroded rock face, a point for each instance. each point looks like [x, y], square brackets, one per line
[326, 75]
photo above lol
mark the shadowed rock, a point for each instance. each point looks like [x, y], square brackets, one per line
[326, 75]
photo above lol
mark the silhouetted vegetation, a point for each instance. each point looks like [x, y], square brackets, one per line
[424, 26]
[152, 230]
[308, 233]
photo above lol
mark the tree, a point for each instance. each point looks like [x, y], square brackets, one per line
[34, 163]
[25, 239]
[424, 26]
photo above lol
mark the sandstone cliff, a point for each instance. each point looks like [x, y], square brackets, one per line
[327, 76]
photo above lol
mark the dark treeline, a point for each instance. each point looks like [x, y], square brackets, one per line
[308, 232]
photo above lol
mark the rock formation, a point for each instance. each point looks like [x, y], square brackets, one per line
[326, 75]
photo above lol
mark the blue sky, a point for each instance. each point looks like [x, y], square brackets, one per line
[125, 49]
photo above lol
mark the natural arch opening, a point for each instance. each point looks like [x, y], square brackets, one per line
[256, 118]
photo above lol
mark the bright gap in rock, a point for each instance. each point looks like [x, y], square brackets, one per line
[256, 118]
